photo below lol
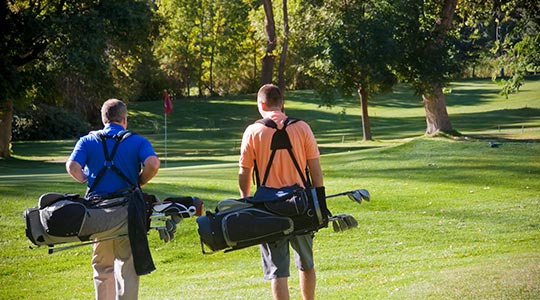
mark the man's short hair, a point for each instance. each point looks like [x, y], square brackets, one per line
[270, 94]
[113, 111]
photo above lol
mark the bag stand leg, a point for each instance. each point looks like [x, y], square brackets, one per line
[54, 250]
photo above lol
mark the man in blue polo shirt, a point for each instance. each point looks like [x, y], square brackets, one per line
[112, 260]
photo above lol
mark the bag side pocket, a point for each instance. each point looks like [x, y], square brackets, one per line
[63, 218]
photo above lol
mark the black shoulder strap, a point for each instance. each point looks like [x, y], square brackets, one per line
[109, 163]
[280, 140]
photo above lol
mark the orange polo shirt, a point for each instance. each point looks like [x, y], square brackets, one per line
[256, 147]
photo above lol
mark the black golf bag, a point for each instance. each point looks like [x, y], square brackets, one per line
[242, 223]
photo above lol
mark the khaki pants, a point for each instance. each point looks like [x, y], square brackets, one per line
[114, 272]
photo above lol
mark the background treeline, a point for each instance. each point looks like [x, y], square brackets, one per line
[75, 54]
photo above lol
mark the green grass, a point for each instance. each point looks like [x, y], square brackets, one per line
[449, 218]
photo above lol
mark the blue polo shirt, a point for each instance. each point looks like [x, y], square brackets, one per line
[130, 155]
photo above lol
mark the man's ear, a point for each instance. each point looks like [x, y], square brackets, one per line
[262, 106]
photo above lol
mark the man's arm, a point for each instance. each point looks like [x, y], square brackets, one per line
[75, 170]
[244, 181]
[150, 168]
[315, 171]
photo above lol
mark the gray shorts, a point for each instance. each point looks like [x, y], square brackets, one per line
[276, 256]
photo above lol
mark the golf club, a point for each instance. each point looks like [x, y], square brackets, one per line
[354, 195]
[343, 222]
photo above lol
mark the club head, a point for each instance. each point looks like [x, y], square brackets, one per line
[359, 195]
[343, 222]
[365, 194]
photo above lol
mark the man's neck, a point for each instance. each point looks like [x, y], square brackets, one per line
[115, 124]
[269, 113]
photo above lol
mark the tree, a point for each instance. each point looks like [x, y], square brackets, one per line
[271, 43]
[20, 44]
[354, 51]
[437, 118]
[233, 47]
[205, 43]
[428, 60]
[271, 33]
[61, 53]
[514, 31]
[284, 47]
[435, 51]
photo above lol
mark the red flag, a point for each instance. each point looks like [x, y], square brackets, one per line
[167, 103]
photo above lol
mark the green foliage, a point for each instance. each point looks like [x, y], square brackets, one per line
[74, 54]
[43, 122]
[355, 47]
[508, 36]
[518, 60]
[429, 54]
[207, 44]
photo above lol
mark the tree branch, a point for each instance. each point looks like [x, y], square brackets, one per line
[21, 60]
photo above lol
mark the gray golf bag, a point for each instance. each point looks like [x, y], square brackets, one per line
[68, 218]
[65, 218]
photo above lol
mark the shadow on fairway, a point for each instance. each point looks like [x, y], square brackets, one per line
[495, 119]
[324, 149]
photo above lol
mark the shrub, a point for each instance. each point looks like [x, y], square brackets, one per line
[43, 122]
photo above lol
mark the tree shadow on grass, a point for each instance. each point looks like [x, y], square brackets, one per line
[463, 93]
[472, 92]
[521, 118]
[17, 166]
[475, 163]
[403, 96]
[53, 148]
[500, 140]
[497, 119]
[325, 149]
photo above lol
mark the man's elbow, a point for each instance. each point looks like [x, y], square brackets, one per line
[243, 171]
[70, 164]
[74, 169]
[152, 164]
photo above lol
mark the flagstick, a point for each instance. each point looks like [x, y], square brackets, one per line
[165, 140]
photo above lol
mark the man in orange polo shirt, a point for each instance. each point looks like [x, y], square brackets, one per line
[256, 147]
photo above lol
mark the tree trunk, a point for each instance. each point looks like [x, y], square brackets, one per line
[255, 71]
[366, 125]
[271, 42]
[200, 80]
[6, 117]
[211, 71]
[281, 74]
[437, 118]
[436, 115]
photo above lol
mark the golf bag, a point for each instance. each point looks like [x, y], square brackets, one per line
[65, 218]
[242, 223]
[269, 215]
[68, 218]
[240, 228]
